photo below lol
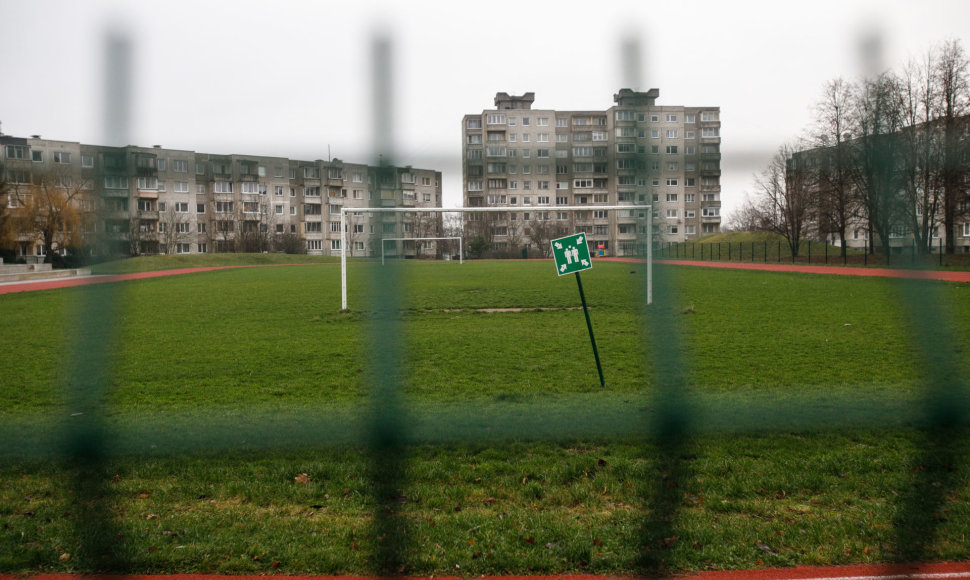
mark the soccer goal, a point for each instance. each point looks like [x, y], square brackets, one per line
[343, 232]
[461, 259]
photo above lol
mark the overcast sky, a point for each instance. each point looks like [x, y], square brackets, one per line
[292, 78]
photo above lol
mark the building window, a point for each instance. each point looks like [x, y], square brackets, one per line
[223, 187]
[16, 151]
[147, 183]
[200, 208]
[200, 228]
[115, 182]
[626, 116]
[710, 212]
[473, 124]
[671, 181]
[671, 214]
[709, 132]
[250, 187]
[224, 207]
[708, 116]
[495, 119]
[87, 161]
[62, 157]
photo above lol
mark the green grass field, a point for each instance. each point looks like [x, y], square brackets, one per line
[240, 399]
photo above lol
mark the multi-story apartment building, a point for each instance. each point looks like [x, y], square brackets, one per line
[913, 208]
[636, 153]
[149, 200]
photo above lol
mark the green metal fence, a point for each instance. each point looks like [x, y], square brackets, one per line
[86, 444]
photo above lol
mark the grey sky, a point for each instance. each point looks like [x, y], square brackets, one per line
[292, 78]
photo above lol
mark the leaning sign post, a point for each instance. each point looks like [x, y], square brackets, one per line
[571, 254]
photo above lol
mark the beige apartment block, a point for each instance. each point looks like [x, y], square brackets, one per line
[634, 153]
[153, 200]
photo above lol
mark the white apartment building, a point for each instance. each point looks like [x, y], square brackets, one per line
[151, 200]
[636, 153]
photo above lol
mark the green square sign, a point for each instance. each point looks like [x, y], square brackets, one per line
[571, 254]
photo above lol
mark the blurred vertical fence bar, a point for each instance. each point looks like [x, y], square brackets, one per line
[94, 332]
[387, 431]
[390, 430]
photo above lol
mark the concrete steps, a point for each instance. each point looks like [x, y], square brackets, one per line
[36, 272]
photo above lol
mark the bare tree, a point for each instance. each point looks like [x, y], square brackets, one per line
[51, 208]
[785, 198]
[829, 167]
[6, 229]
[542, 231]
[173, 229]
[878, 118]
[951, 77]
[920, 151]
[748, 217]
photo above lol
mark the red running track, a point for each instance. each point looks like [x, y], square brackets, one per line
[937, 571]
[12, 287]
[943, 275]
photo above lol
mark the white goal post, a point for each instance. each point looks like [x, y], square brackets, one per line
[461, 259]
[343, 231]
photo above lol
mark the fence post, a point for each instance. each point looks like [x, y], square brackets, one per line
[941, 251]
[865, 251]
[826, 252]
[809, 252]
[766, 251]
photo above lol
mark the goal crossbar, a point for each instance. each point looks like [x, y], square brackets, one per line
[345, 210]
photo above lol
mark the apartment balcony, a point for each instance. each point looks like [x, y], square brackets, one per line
[710, 172]
[710, 219]
[248, 177]
[711, 188]
[147, 215]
